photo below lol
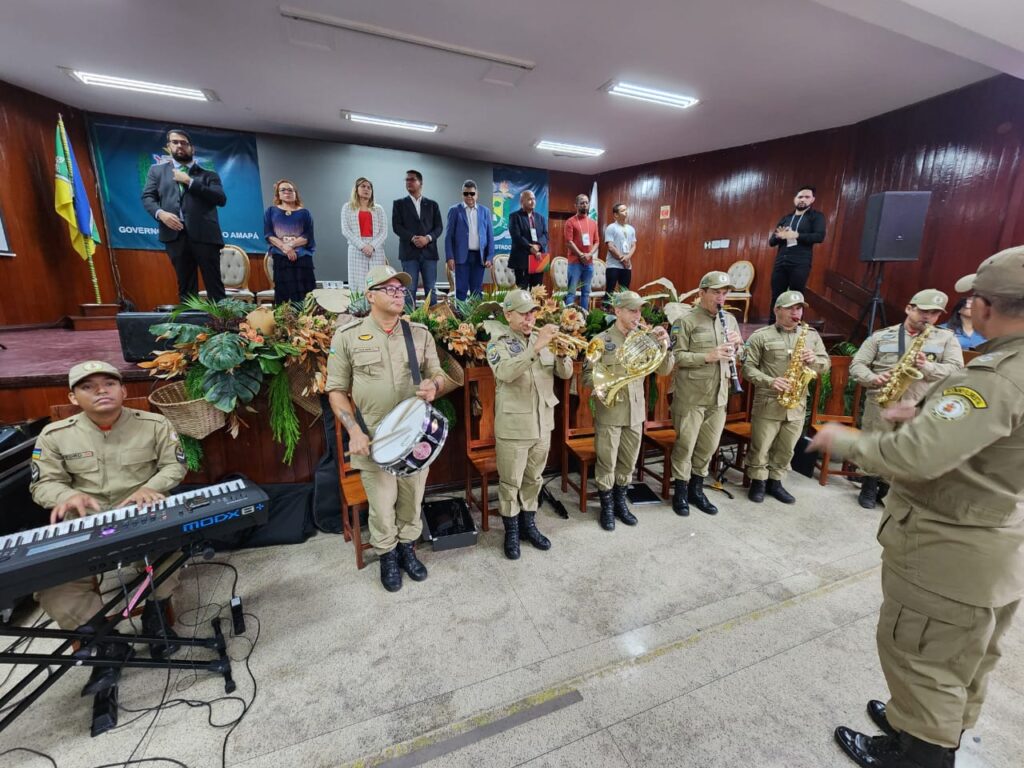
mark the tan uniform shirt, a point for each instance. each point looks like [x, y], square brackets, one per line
[524, 407]
[880, 352]
[954, 520]
[630, 409]
[697, 382]
[372, 367]
[769, 351]
[75, 456]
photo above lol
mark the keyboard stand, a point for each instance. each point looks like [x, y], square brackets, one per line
[64, 657]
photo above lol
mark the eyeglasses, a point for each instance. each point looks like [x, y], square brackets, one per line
[285, 189]
[179, 142]
[390, 290]
[469, 194]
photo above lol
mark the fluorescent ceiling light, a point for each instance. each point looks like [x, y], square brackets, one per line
[391, 122]
[141, 86]
[569, 149]
[640, 93]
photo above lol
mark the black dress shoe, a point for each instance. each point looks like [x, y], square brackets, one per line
[621, 507]
[528, 530]
[776, 491]
[410, 563]
[899, 751]
[607, 517]
[103, 678]
[697, 497]
[868, 492]
[876, 711]
[154, 622]
[756, 491]
[511, 537]
[680, 491]
[390, 573]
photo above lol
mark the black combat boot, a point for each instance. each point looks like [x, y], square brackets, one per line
[154, 622]
[103, 678]
[410, 563]
[697, 497]
[511, 537]
[899, 751]
[680, 490]
[528, 530]
[390, 573]
[621, 507]
[776, 491]
[607, 518]
[876, 711]
[868, 492]
[756, 491]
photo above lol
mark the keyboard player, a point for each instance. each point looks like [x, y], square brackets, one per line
[105, 457]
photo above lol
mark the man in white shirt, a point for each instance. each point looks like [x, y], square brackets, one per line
[620, 238]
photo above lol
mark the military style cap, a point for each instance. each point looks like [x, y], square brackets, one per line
[628, 300]
[998, 275]
[88, 368]
[790, 299]
[716, 280]
[383, 273]
[930, 298]
[519, 301]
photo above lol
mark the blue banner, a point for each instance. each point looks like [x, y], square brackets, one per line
[124, 150]
[509, 183]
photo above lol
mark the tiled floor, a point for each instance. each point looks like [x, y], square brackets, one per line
[736, 640]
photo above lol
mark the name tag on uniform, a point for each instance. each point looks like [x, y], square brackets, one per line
[533, 234]
[586, 239]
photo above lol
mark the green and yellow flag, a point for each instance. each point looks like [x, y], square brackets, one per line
[71, 202]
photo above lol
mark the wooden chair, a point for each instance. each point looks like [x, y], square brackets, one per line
[659, 431]
[480, 441]
[63, 410]
[599, 280]
[353, 497]
[577, 433]
[742, 275]
[738, 427]
[834, 412]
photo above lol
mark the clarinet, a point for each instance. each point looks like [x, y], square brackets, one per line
[734, 376]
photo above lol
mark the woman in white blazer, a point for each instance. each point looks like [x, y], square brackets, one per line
[365, 226]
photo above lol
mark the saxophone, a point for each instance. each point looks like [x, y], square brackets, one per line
[904, 373]
[798, 374]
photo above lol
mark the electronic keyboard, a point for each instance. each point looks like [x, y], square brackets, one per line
[53, 554]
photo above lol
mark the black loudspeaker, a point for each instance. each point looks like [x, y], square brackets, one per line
[894, 226]
[137, 343]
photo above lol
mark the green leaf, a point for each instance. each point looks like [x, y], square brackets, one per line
[271, 366]
[284, 421]
[182, 333]
[226, 389]
[223, 352]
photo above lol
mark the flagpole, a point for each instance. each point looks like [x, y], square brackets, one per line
[89, 245]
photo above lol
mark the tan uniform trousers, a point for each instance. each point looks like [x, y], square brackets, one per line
[520, 473]
[936, 654]
[871, 420]
[698, 430]
[616, 448]
[395, 504]
[75, 602]
[772, 442]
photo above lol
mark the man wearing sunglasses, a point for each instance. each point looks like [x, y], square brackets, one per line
[951, 536]
[468, 242]
[368, 375]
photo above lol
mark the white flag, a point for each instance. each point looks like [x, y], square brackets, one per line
[593, 202]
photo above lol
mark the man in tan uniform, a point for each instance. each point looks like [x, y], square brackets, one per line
[524, 415]
[952, 534]
[368, 374]
[774, 429]
[619, 427]
[702, 350]
[103, 458]
[880, 353]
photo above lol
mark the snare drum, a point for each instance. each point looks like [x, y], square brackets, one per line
[409, 438]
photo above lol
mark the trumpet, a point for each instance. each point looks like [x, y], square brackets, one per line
[564, 341]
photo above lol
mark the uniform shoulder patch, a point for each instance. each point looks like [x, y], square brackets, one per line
[950, 407]
[971, 395]
[493, 355]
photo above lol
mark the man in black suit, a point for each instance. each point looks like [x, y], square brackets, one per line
[417, 222]
[184, 198]
[529, 233]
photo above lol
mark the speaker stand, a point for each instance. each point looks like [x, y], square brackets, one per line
[874, 308]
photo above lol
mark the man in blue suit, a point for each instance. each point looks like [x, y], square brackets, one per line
[469, 242]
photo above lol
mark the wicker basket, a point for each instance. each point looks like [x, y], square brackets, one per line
[195, 418]
[454, 376]
[298, 380]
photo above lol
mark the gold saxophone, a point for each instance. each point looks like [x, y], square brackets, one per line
[904, 373]
[640, 355]
[798, 374]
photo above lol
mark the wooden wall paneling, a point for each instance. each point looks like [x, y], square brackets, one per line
[563, 188]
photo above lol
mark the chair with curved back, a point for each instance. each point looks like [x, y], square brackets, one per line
[599, 280]
[502, 276]
[234, 273]
[742, 275]
[560, 273]
[267, 296]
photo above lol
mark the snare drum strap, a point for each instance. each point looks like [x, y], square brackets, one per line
[414, 364]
